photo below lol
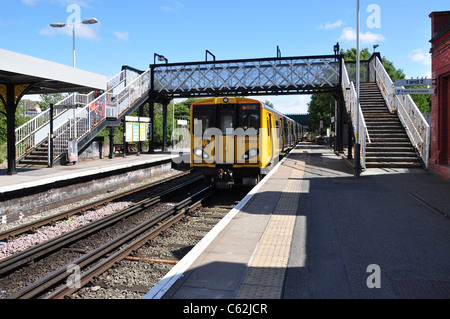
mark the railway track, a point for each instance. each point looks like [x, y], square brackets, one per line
[38, 261]
[60, 268]
[33, 226]
[135, 275]
[73, 278]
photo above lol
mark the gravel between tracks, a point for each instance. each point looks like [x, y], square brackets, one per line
[133, 279]
[48, 232]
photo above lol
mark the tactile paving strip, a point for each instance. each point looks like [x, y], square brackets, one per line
[265, 276]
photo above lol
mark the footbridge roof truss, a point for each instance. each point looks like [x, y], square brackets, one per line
[268, 76]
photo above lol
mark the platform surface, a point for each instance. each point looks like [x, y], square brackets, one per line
[31, 177]
[311, 230]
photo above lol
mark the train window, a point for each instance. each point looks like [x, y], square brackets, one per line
[225, 118]
[249, 116]
[285, 128]
[226, 124]
[203, 118]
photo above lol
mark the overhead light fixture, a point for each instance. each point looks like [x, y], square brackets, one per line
[62, 25]
[90, 21]
[160, 58]
[58, 25]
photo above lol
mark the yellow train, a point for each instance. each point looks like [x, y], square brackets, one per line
[237, 140]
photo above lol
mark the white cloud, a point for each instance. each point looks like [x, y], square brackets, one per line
[29, 2]
[417, 55]
[331, 26]
[122, 36]
[349, 34]
[81, 31]
[65, 3]
[166, 8]
[171, 5]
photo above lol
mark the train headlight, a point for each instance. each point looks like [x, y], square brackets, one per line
[252, 152]
[198, 152]
[201, 153]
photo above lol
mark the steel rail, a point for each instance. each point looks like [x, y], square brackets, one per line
[49, 246]
[107, 263]
[66, 214]
[38, 287]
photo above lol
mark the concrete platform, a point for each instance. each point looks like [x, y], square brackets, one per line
[36, 190]
[311, 230]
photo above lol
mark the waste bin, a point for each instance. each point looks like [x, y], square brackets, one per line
[72, 151]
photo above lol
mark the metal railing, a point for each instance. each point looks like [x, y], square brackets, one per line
[107, 105]
[27, 135]
[350, 97]
[247, 77]
[35, 131]
[409, 114]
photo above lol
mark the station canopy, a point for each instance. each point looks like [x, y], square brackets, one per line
[21, 74]
[45, 77]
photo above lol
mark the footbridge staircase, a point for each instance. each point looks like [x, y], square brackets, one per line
[392, 131]
[125, 92]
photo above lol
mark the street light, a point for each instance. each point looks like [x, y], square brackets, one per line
[336, 48]
[160, 58]
[62, 25]
[357, 144]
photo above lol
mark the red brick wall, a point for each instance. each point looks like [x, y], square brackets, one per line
[440, 113]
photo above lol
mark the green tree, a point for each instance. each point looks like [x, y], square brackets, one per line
[47, 99]
[321, 107]
[20, 119]
[423, 101]
[267, 102]
[395, 74]
[350, 55]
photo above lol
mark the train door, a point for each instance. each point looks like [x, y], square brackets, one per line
[226, 120]
[285, 134]
[202, 146]
[269, 137]
[279, 146]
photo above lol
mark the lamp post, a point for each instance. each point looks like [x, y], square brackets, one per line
[357, 145]
[375, 46]
[336, 49]
[62, 25]
[160, 58]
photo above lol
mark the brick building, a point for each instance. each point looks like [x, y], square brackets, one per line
[440, 112]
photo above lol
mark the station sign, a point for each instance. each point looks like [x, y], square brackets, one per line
[410, 82]
[414, 91]
[137, 129]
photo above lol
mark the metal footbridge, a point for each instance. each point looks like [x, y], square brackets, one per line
[161, 83]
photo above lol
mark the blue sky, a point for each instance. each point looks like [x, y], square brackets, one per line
[130, 32]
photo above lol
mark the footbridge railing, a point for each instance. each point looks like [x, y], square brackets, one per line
[290, 75]
[416, 126]
[35, 131]
[353, 109]
[111, 104]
